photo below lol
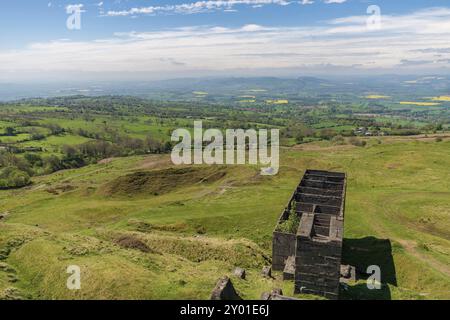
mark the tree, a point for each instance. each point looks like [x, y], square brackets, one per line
[33, 159]
[11, 177]
[52, 163]
[69, 151]
[55, 129]
[10, 131]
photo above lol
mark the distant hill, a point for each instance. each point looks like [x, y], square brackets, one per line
[220, 88]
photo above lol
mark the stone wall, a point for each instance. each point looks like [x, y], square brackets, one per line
[317, 245]
[283, 246]
[317, 269]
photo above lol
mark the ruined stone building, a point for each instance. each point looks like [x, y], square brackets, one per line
[307, 242]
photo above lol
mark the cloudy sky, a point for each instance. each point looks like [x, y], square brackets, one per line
[146, 39]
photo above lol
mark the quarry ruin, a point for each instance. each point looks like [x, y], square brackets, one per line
[307, 241]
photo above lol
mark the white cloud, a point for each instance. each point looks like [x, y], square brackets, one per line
[335, 1]
[419, 40]
[208, 5]
[75, 7]
[196, 7]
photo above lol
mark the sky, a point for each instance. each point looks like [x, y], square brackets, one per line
[149, 40]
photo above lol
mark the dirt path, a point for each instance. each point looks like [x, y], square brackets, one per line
[410, 247]
[83, 174]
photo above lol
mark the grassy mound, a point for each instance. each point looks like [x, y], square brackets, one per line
[238, 252]
[130, 242]
[163, 181]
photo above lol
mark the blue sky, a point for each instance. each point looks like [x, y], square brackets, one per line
[161, 39]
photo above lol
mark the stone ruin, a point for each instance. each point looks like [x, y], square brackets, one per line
[224, 290]
[309, 250]
[276, 294]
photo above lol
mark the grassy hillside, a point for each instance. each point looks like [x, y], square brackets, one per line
[140, 228]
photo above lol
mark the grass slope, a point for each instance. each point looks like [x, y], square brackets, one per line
[182, 228]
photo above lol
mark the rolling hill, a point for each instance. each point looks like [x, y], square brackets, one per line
[141, 228]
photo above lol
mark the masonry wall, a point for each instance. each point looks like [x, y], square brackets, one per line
[316, 247]
[318, 267]
[283, 246]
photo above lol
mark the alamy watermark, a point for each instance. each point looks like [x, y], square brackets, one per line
[74, 280]
[237, 150]
[374, 20]
[73, 22]
[374, 280]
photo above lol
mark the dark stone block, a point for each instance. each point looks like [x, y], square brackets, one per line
[348, 272]
[224, 290]
[289, 269]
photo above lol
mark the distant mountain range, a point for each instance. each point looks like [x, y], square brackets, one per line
[232, 87]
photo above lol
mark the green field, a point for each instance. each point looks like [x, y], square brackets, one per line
[140, 228]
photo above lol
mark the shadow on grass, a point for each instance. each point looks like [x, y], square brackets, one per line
[365, 252]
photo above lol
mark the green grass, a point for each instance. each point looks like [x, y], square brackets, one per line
[53, 144]
[291, 224]
[137, 127]
[201, 229]
[17, 138]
